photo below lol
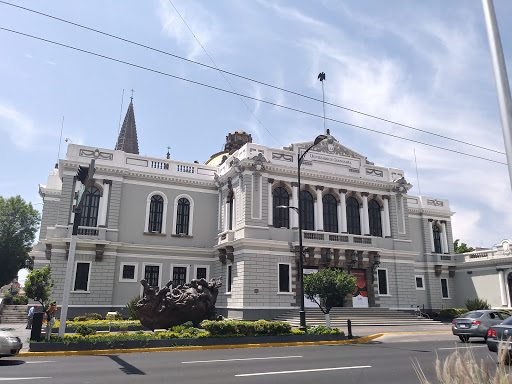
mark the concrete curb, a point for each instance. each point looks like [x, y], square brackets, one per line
[193, 348]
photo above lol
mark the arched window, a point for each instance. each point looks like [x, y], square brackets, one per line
[90, 208]
[437, 238]
[307, 210]
[183, 214]
[353, 220]
[156, 209]
[374, 218]
[281, 215]
[231, 208]
[330, 213]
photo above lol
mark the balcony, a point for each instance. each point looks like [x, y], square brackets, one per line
[337, 238]
[442, 258]
[89, 233]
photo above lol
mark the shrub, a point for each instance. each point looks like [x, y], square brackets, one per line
[20, 300]
[246, 328]
[132, 308]
[451, 313]
[323, 330]
[84, 330]
[93, 316]
[117, 316]
[79, 318]
[476, 304]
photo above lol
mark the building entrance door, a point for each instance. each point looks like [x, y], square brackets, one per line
[360, 295]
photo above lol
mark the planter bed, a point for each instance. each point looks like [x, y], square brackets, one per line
[114, 328]
[86, 345]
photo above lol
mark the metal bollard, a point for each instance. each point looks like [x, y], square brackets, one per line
[349, 326]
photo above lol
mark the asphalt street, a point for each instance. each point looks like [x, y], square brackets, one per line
[388, 359]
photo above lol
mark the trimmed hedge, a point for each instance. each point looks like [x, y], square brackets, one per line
[246, 328]
[452, 313]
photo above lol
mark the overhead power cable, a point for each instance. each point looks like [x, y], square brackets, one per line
[254, 80]
[221, 72]
[246, 96]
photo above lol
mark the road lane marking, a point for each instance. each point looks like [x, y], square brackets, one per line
[471, 346]
[23, 378]
[40, 362]
[251, 358]
[303, 371]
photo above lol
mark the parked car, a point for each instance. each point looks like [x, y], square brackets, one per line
[9, 345]
[477, 323]
[499, 334]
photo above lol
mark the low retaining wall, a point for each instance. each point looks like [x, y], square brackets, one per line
[86, 345]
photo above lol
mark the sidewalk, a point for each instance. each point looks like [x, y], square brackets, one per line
[20, 330]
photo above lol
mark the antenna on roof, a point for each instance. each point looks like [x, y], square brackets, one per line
[321, 77]
[60, 141]
[120, 113]
[417, 176]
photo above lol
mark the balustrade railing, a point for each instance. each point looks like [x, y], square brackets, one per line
[185, 168]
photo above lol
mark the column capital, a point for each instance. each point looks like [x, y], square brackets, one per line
[271, 181]
[365, 194]
[109, 182]
[443, 221]
[430, 220]
[385, 197]
[295, 184]
[344, 191]
[319, 187]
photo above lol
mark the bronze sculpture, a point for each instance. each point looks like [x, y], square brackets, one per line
[167, 307]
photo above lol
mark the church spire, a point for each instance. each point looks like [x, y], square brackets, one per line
[127, 140]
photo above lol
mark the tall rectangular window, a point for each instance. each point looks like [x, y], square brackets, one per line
[383, 281]
[82, 277]
[419, 282]
[444, 289]
[230, 278]
[201, 273]
[129, 272]
[179, 276]
[284, 278]
[151, 275]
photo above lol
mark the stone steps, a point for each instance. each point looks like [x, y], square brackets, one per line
[14, 314]
[358, 316]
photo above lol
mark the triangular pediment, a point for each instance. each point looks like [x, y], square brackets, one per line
[329, 146]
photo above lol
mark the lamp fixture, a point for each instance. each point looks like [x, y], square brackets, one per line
[375, 265]
[329, 256]
[353, 261]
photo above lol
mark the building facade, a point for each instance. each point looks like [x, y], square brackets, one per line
[163, 219]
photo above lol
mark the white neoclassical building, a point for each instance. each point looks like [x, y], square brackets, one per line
[163, 219]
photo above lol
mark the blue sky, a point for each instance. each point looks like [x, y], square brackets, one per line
[423, 64]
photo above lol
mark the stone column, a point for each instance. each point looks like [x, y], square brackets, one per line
[503, 287]
[294, 215]
[361, 219]
[445, 238]
[383, 222]
[102, 222]
[319, 214]
[431, 234]
[387, 222]
[343, 211]
[365, 218]
[270, 203]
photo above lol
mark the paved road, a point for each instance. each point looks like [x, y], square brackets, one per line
[385, 360]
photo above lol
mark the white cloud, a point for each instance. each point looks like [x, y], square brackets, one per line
[18, 127]
[201, 22]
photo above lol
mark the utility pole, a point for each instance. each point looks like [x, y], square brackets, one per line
[321, 77]
[85, 175]
[500, 78]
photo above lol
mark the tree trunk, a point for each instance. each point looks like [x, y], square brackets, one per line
[328, 320]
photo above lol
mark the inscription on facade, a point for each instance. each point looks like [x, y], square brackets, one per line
[352, 163]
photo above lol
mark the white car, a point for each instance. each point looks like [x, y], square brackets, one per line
[9, 345]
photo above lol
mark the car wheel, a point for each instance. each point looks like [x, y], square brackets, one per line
[464, 338]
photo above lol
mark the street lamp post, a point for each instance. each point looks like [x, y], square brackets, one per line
[300, 158]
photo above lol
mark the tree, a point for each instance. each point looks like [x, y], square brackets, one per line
[18, 225]
[328, 288]
[39, 284]
[462, 248]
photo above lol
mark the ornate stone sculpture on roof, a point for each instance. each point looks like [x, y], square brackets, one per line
[401, 185]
